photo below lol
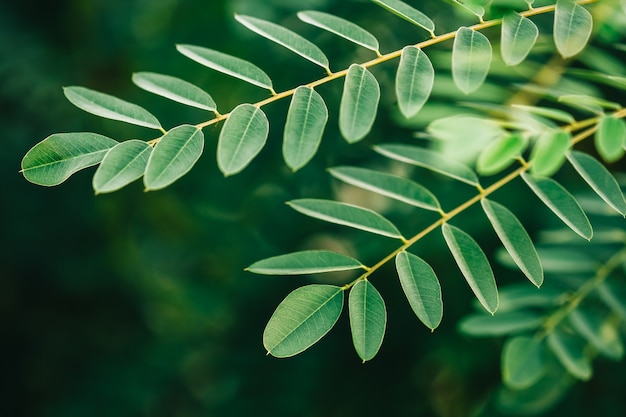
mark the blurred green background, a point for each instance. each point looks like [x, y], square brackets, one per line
[137, 304]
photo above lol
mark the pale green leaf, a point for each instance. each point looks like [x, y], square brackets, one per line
[175, 89]
[368, 319]
[615, 81]
[359, 103]
[241, 139]
[600, 331]
[555, 114]
[302, 319]
[408, 13]
[474, 265]
[389, 185]
[610, 138]
[613, 293]
[471, 58]
[110, 107]
[588, 103]
[346, 215]
[123, 164]
[499, 154]
[548, 154]
[562, 203]
[485, 325]
[600, 179]
[286, 38]
[305, 262]
[475, 7]
[174, 155]
[306, 120]
[57, 157]
[523, 361]
[340, 27]
[521, 296]
[572, 27]
[570, 351]
[519, 35]
[421, 287]
[515, 239]
[414, 80]
[226, 64]
[428, 159]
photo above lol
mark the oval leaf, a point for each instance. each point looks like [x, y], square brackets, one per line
[123, 164]
[57, 157]
[241, 139]
[340, 27]
[421, 287]
[368, 319]
[392, 186]
[110, 107]
[562, 203]
[519, 35]
[302, 319]
[174, 155]
[471, 58]
[175, 89]
[359, 103]
[600, 331]
[408, 13]
[572, 27]
[306, 120]
[523, 361]
[286, 38]
[484, 325]
[549, 152]
[226, 64]
[570, 351]
[474, 265]
[610, 138]
[515, 239]
[305, 262]
[347, 215]
[499, 154]
[414, 80]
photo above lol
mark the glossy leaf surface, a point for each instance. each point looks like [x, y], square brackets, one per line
[548, 154]
[359, 104]
[519, 35]
[123, 164]
[368, 319]
[304, 262]
[523, 361]
[572, 27]
[471, 59]
[340, 27]
[414, 80]
[499, 154]
[175, 89]
[408, 13]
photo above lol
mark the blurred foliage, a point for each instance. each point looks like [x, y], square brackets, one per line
[136, 304]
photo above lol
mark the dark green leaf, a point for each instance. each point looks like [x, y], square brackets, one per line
[570, 351]
[414, 80]
[368, 319]
[485, 325]
[613, 293]
[359, 103]
[123, 164]
[305, 262]
[599, 330]
[523, 361]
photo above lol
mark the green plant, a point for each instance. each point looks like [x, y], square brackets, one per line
[535, 127]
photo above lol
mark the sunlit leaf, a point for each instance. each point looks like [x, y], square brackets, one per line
[173, 156]
[588, 103]
[305, 262]
[562, 203]
[226, 64]
[499, 154]
[471, 58]
[340, 27]
[599, 331]
[123, 164]
[57, 157]
[475, 7]
[110, 107]
[368, 319]
[613, 293]
[485, 325]
[241, 139]
[302, 319]
[347, 215]
[408, 13]
[570, 351]
[392, 186]
[421, 287]
[523, 361]
[572, 27]
[555, 114]
[519, 35]
[175, 89]
[414, 80]
[610, 138]
[359, 103]
[548, 154]
[474, 265]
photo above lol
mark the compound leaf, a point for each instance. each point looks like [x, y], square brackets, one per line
[414, 80]
[123, 164]
[305, 262]
[471, 58]
[175, 89]
[519, 35]
[499, 154]
[523, 361]
[368, 319]
[359, 103]
[570, 349]
[485, 325]
[549, 152]
[572, 27]
[610, 138]
[408, 13]
[340, 27]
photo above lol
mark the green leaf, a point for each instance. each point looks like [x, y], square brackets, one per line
[600, 331]
[610, 138]
[588, 103]
[347, 215]
[485, 325]
[110, 107]
[474, 265]
[521, 296]
[286, 38]
[499, 154]
[57, 157]
[562, 203]
[559, 260]
[515, 239]
[471, 58]
[421, 287]
[174, 155]
[519, 35]
[613, 293]
[241, 139]
[123, 164]
[572, 27]
[548, 154]
[599, 178]
[523, 361]
[340, 27]
[414, 80]
[306, 120]
[359, 103]
[555, 114]
[392, 186]
[175, 89]
[368, 319]
[570, 351]
[428, 159]
[305, 262]
[302, 319]
[408, 13]
[226, 64]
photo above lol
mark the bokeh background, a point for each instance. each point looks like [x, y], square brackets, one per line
[137, 304]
